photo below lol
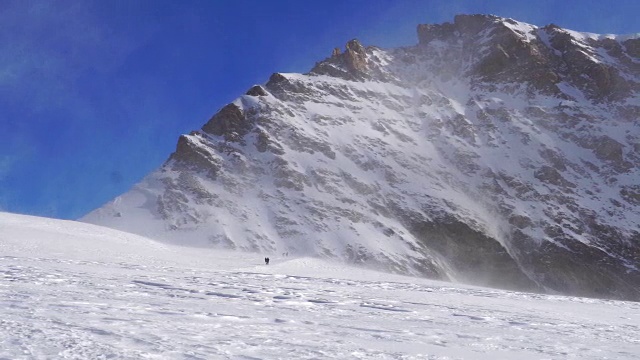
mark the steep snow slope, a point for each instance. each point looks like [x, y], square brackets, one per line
[493, 152]
[76, 291]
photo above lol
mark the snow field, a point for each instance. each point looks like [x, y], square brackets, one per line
[77, 291]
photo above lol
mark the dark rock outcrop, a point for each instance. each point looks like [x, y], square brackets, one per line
[229, 122]
[350, 64]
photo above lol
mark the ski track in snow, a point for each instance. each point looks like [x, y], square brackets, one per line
[76, 309]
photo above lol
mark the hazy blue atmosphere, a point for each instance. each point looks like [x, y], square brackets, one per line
[94, 94]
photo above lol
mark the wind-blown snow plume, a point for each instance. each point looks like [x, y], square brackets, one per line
[492, 152]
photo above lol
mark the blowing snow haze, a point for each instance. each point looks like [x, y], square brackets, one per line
[493, 152]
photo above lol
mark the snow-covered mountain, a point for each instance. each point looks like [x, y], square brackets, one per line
[493, 152]
[70, 290]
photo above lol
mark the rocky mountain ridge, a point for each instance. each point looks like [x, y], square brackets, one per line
[493, 152]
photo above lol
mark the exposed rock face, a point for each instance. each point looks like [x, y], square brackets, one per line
[229, 122]
[352, 64]
[493, 152]
[542, 57]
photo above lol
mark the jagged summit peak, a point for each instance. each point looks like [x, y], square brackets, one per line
[547, 59]
[472, 26]
[351, 64]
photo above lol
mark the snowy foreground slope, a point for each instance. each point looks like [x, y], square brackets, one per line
[70, 290]
[493, 152]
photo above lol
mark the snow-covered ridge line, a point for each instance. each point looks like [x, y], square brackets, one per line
[586, 35]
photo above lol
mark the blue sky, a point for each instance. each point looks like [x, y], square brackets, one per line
[94, 94]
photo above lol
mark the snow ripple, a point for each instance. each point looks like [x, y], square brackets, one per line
[73, 309]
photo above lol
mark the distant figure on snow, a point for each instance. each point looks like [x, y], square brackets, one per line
[266, 260]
